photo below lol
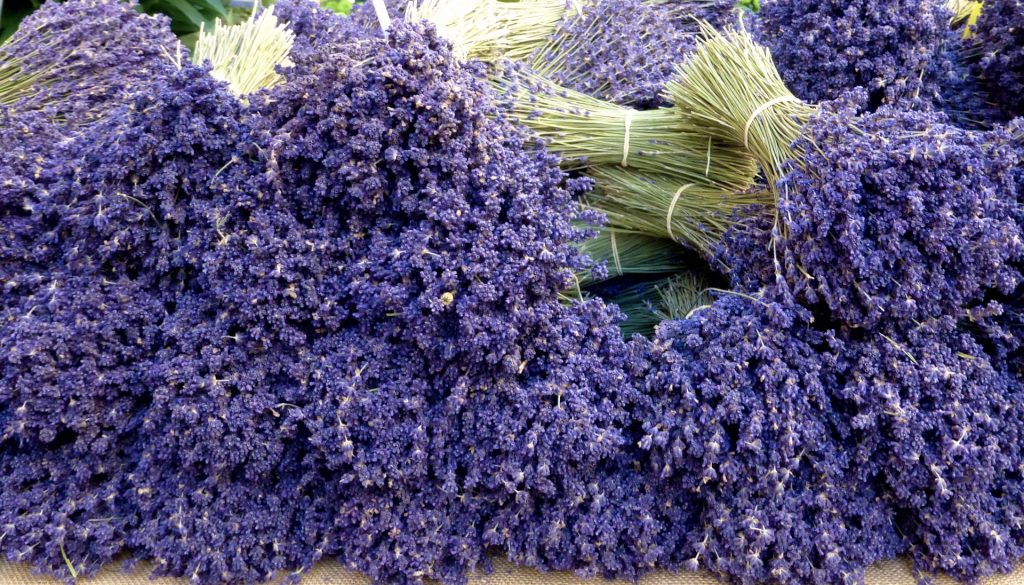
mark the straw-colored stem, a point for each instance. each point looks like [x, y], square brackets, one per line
[591, 132]
[624, 252]
[729, 87]
[693, 214]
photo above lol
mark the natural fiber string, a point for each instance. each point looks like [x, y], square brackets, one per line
[615, 252]
[759, 110]
[672, 208]
[625, 142]
[707, 169]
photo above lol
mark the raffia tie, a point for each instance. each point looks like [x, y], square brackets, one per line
[615, 253]
[672, 209]
[625, 142]
[760, 110]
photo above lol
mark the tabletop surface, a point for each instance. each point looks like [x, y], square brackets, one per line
[332, 573]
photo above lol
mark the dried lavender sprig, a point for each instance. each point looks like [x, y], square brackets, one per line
[627, 252]
[618, 50]
[592, 132]
[78, 59]
[530, 24]
[694, 214]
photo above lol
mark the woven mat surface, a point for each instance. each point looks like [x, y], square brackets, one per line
[331, 573]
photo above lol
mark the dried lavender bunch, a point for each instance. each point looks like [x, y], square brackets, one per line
[247, 55]
[998, 42]
[687, 13]
[30, 147]
[318, 30]
[363, 14]
[594, 132]
[871, 216]
[75, 60]
[867, 263]
[730, 89]
[619, 51]
[825, 48]
[947, 426]
[746, 428]
[455, 390]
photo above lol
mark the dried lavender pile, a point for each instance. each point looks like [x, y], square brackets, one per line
[380, 311]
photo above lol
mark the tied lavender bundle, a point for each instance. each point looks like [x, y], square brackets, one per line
[944, 422]
[747, 432]
[619, 51]
[902, 216]
[884, 252]
[77, 60]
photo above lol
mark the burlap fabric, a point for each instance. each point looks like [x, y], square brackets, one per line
[331, 573]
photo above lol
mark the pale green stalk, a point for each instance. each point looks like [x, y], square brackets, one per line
[624, 252]
[694, 214]
[648, 304]
[246, 55]
[729, 88]
[590, 132]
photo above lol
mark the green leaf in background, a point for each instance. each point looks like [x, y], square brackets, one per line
[751, 5]
[185, 8]
[11, 14]
[339, 6]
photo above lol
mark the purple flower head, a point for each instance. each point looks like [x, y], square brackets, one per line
[899, 215]
[946, 427]
[124, 205]
[825, 48]
[430, 212]
[746, 423]
[620, 51]
[318, 31]
[76, 60]
[999, 44]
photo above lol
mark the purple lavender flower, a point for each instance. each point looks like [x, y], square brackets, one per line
[825, 48]
[620, 51]
[898, 215]
[319, 30]
[999, 43]
[747, 425]
[76, 60]
[947, 428]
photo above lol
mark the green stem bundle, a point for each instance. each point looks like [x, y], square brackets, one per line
[693, 214]
[647, 304]
[625, 252]
[592, 132]
[246, 55]
[729, 88]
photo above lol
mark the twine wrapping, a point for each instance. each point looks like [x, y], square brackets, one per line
[615, 252]
[760, 110]
[625, 142]
[672, 208]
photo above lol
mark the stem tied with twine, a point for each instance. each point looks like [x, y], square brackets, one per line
[589, 132]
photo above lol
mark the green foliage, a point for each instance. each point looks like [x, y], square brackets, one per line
[339, 6]
[751, 5]
[11, 14]
[187, 16]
